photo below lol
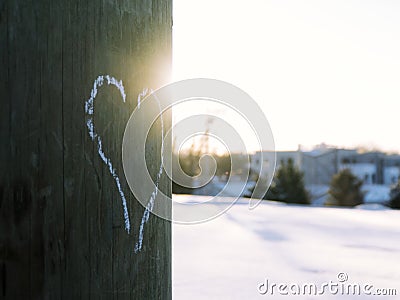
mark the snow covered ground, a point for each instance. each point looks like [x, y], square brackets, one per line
[229, 257]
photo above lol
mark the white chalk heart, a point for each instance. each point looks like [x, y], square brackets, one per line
[89, 109]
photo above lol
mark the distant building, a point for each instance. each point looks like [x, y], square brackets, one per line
[321, 163]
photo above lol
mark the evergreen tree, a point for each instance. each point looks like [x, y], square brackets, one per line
[288, 185]
[345, 189]
[395, 196]
[223, 164]
[189, 163]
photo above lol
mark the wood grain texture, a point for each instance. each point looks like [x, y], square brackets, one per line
[62, 230]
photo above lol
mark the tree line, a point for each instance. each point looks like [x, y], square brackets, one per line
[344, 189]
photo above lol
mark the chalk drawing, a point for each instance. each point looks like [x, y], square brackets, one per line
[142, 95]
[150, 204]
[89, 108]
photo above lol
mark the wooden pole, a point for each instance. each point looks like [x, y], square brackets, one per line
[62, 227]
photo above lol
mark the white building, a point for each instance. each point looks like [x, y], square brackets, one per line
[391, 174]
[364, 171]
[321, 163]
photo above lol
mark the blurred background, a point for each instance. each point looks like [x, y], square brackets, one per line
[326, 75]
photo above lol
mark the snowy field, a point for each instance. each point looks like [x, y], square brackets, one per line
[231, 256]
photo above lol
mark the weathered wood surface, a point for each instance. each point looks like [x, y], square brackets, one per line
[62, 230]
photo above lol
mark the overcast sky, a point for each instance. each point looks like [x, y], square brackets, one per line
[322, 71]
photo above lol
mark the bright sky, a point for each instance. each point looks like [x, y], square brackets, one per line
[322, 71]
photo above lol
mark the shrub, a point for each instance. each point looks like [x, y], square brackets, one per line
[345, 189]
[395, 196]
[288, 185]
